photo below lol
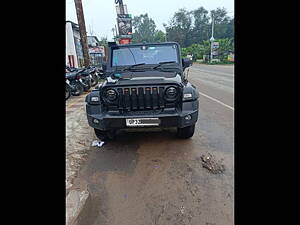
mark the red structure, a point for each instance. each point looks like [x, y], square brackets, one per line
[124, 41]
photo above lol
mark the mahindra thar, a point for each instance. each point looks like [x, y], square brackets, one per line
[145, 86]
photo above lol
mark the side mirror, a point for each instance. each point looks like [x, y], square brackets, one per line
[186, 62]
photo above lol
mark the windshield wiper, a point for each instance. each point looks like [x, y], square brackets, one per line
[163, 63]
[132, 66]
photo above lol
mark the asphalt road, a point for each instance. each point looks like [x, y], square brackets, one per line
[153, 178]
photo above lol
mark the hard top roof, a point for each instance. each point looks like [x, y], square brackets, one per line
[145, 43]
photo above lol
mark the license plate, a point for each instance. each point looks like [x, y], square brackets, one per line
[142, 122]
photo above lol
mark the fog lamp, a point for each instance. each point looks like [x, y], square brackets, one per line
[188, 117]
[187, 95]
[96, 121]
[95, 99]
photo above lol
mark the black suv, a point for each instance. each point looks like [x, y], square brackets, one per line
[145, 86]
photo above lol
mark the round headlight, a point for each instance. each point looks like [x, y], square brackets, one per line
[171, 93]
[111, 95]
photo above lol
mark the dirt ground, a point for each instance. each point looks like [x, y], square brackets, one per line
[153, 178]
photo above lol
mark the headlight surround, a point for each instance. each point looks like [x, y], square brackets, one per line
[110, 95]
[171, 93]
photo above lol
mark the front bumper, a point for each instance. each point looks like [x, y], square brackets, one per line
[168, 118]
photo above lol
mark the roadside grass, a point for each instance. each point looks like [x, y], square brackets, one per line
[215, 62]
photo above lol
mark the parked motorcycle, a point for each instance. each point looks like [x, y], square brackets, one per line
[86, 80]
[74, 84]
[85, 77]
[94, 75]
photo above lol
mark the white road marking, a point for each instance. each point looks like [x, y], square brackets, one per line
[216, 100]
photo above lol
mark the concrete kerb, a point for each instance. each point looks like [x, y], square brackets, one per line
[78, 207]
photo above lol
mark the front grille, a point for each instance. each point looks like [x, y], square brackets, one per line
[140, 99]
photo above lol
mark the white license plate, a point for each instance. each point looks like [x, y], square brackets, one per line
[142, 122]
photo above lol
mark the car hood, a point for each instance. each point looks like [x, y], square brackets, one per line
[144, 77]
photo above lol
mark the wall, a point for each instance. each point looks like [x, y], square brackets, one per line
[78, 47]
[70, 45]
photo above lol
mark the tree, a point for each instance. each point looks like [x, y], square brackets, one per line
[144, 28]
[201, 25]
[191, 29]
[179, 28]
[159, 36]
[230, 29]
[221, 21]
[225, 47]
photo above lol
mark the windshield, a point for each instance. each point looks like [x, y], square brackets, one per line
[144, 54]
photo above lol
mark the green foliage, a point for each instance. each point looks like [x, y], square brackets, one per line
[103, 41]
[159, 36]
[216, 63]
[184, 52]
[179, 28]
[145, 30]
[199, 50]
[192, 30]
[190, 27]
[226, 46]
[201, 29]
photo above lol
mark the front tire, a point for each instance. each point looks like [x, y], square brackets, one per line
[88, 87]
[68, 93]
[186, 132]
[94, 80]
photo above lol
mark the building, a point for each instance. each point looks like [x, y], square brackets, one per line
[96, 51]
[74, 54]
[93, 41]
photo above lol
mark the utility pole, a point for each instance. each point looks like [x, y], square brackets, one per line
[82, 31]
[212, 39]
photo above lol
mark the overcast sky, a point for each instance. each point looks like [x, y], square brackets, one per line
[100, 15]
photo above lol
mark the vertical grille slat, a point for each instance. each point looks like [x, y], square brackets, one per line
[134, 99]
[148, 99]
[127, 99]
[141, 98]
[161, 97]
[155, 98]
[121, 98]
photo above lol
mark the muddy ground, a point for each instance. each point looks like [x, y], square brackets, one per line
[153, 178]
